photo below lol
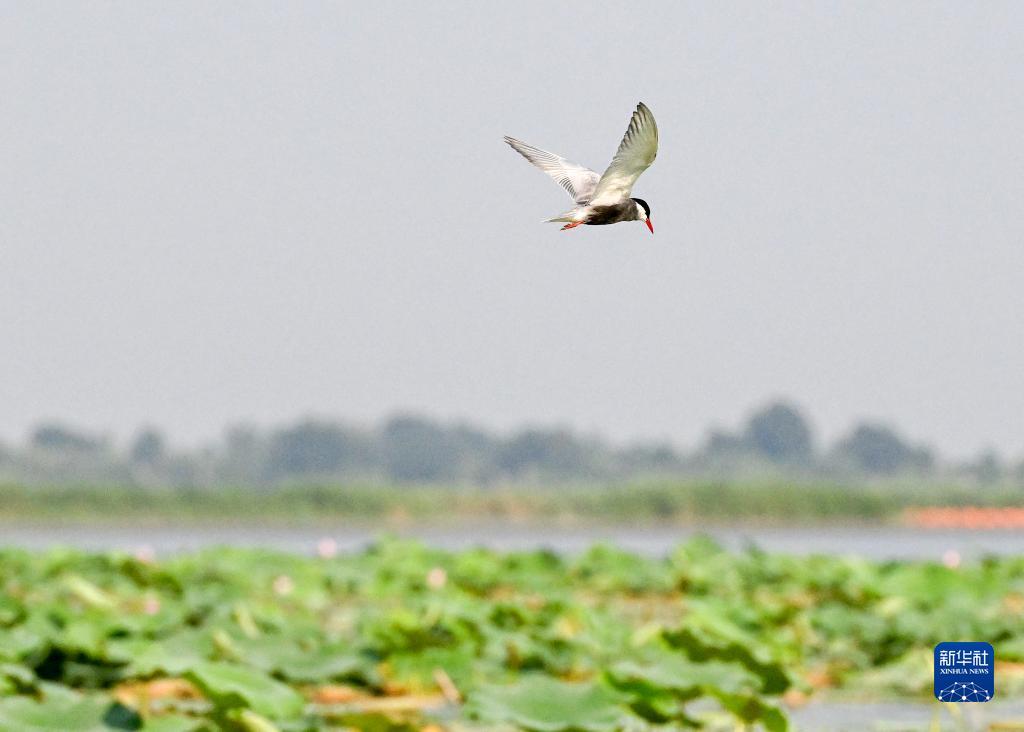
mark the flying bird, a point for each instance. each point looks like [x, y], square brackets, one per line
[603, 199]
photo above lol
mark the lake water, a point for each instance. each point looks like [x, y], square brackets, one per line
[896, 716]
[882, 542]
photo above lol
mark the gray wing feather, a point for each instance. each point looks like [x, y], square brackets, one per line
[577, 180]
[636, 152]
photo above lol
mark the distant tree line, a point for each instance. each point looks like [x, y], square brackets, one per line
[776, 440]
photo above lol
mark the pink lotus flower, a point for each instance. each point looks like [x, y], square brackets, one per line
[437, 578]
[327, 548]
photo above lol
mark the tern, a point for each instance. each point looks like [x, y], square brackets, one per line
[603, 199]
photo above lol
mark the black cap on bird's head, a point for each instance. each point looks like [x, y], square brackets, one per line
[647, 212]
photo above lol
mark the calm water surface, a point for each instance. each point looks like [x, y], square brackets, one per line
[888, 542]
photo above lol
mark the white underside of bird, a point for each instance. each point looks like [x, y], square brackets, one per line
[605, 198]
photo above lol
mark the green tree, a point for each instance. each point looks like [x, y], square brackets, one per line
[312, 448]
[60, 438]
[149, 448]
[419, 450]
[877, 450]
[780, 433]
[552, 453]
[987, 469]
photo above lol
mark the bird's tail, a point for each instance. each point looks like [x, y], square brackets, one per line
[567, 217]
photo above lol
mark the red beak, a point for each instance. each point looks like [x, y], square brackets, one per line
[649, 225]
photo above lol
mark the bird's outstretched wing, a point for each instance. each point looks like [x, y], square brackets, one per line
[636, 152]
[574, 178]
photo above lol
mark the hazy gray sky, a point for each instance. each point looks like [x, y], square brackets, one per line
[212, 212]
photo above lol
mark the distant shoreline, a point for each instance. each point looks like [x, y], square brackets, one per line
[656, 503]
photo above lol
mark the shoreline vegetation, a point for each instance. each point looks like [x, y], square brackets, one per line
[683, 503]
